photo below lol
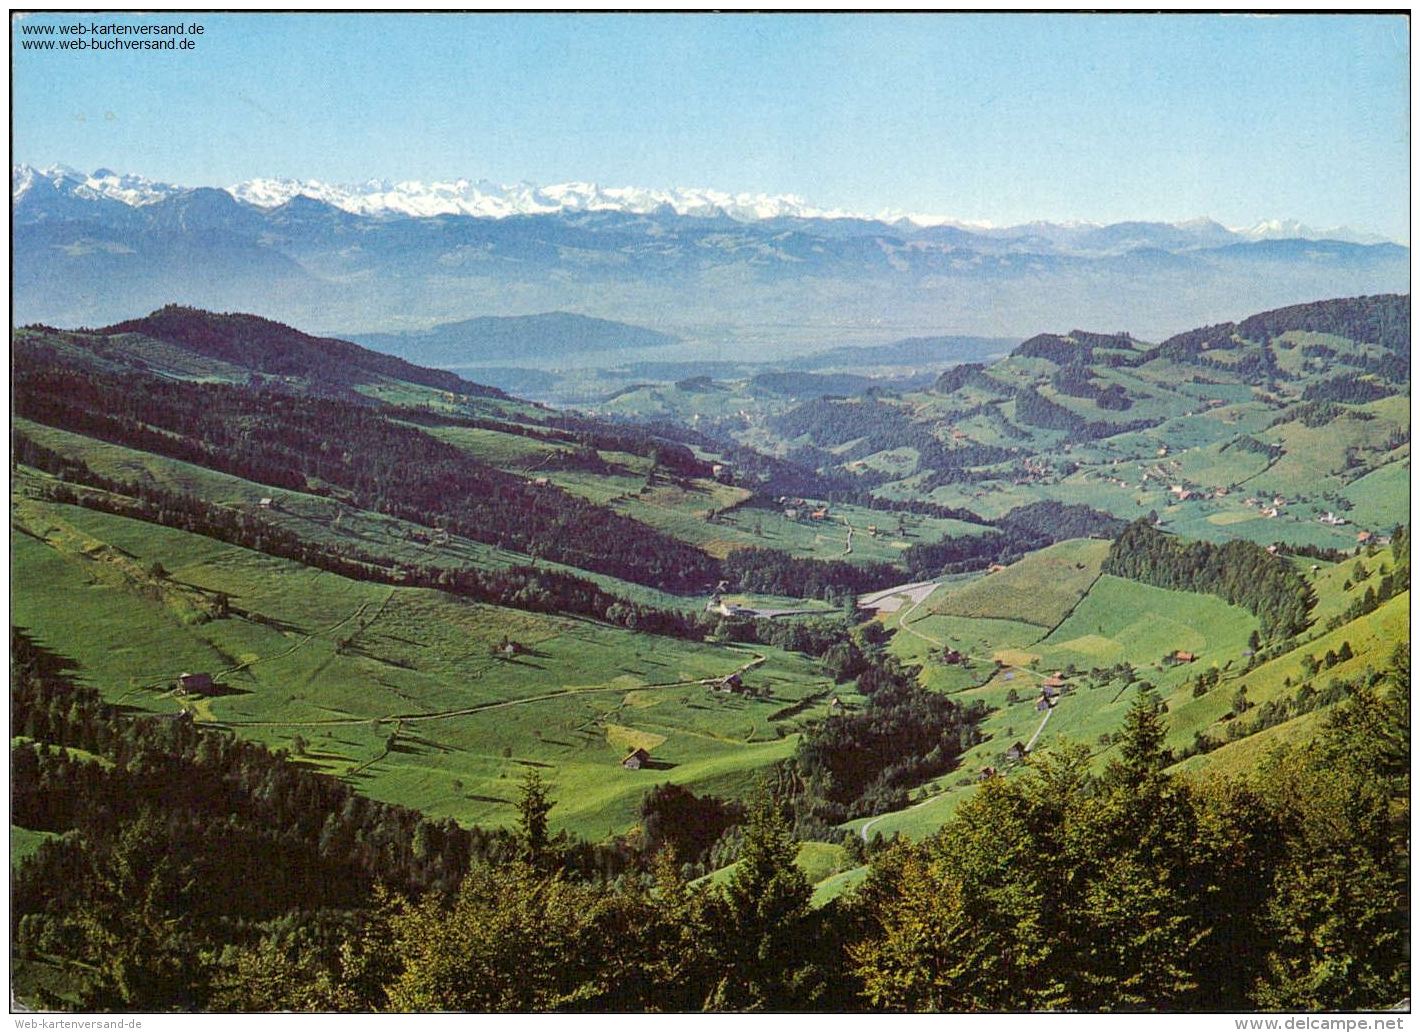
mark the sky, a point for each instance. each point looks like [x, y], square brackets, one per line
[997, 118]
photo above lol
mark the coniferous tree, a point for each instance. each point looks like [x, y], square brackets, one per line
[533, 805]
[760, 924]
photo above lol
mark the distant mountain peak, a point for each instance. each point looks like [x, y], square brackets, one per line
[1291, 229]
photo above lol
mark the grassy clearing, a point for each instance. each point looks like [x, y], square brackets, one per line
[821, 862]
[1041, 589]
[1122, 620]
[1381, 499]
[836, 885]
[1238, 759]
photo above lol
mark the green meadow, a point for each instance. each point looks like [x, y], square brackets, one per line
[1041, 589]
[401, 690]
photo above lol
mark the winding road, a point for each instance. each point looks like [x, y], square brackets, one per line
[919, 592]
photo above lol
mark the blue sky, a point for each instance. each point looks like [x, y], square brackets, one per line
[994, 117]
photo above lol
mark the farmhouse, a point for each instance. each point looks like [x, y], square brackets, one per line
[266, 502]
[636, 759]
[1016, 752]
[835, 705]
[1184, 657]
[730, 683]
[1363, 536]
[194, 682]
[1056, 681]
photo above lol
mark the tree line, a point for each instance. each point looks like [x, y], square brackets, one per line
[1022, 530]
[1137, 890]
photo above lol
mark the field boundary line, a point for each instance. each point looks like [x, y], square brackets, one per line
[304, 642]
[1070, 612]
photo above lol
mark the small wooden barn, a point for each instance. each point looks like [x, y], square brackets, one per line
[188, 682]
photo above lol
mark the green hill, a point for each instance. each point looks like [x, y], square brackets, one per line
[498, 339]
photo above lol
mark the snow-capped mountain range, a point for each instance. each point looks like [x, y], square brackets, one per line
[484, 199]
[95, 248]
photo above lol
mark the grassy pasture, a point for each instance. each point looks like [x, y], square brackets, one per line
[1123, 620]
[1237, 759]
[1040, 589]
[346, 665]
[1316, 458]
[1381, 498]
[1330, 582]
[1372, 637]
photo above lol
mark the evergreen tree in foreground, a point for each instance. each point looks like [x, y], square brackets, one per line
[759, 925]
